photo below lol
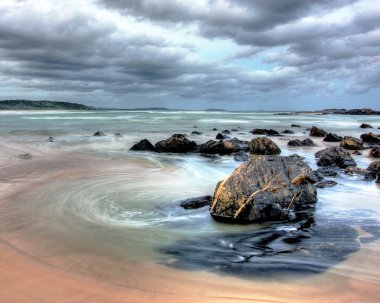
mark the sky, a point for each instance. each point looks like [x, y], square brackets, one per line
[198, 54]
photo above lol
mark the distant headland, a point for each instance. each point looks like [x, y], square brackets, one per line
[41, 105]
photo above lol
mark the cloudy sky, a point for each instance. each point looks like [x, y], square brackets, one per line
[232, 54]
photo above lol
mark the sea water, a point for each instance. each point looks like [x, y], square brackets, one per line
[88, 205]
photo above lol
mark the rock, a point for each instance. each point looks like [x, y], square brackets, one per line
[240, 156]
[375, 152]
[370, 138]
[265, 188]
[118, 135]
[330, 137]
[298, 142]
[365, 125]
[374, 167]
[356, 152]
[323, 184]
[99, 133]
[234, 130]
[214, 128]
[295, 125]
[264, 146]
[51, 139]
[143, 145]
[25, 156]
[218, 147]
[263, 131]
[226, 132]
[196, 133]
[197, 202]
[287, 132]
[328, 171]
[334, 156]
[317, 132]
[244, 145]
[177, 143]
[351, 143]
[356, 171]
[220, 136]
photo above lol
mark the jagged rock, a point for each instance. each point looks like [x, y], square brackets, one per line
[351, 143]
[196, 133]
[323, 184]
[356, 171]
[334, 156]
[220, 136]
[264, 146]
[330, 137]
[143, 145]
[298, 142]
[370, 138]
[317, 132]
[375, 152]
[263, 131]
[365, 125]
[196, 202]
[286, 131]
[264, 188]
[240, 156]
[177, 143]
[218, 147]
[99, 133]
[295, 125]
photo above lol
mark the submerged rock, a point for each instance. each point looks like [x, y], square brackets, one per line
[287, 131]
[328, 171]
[295, 125]
[317, 132]
[351, 143]
[263, 131]
[370, 138]
[196, 133]
[226, 132]
[240, 156]
[177, 143]
[356, 171]
[365, 125]
[143, 145]
[51, 139]
[196, 202]
[323, 184]
[99, 133]
[334, 156]
[265, 188]
[330, 137]
[25, 156]
[264, 146]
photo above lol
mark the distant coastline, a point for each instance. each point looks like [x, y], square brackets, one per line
[59, 105]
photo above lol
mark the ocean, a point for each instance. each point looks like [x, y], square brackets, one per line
[88, 206]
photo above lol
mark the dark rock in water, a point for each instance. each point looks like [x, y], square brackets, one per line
[196, 133]
[218, 147]
[220, 136]
[330, 137]
[356, 171]
[197, 202]
[374, 167]
[244, 145]
[295, 125]
[99, 133]
[214, 128]
[265, 188]
[323, 184]
[51, 139]
[25, 156]
[177, 143]
[234, 130]
[334, 156]
[370, 138]
[365, 125]
[351, 143]
[317, 132]
[143, 145]
[118, 135]
[356, 152]
[375, 152]
[240, 156]
[286, 131]
[304, 248]
[264, 146]
[328, 171]
[226, 132]
[263, 131]
[195, 126]
[298, 142]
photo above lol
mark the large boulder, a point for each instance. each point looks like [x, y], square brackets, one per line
[351, 143]
[143, 145]
[177, 143]
[334, 156]
[264, 146]
[265, 188]
[330, 137]
[370, 138]
[317, 132]
[218, 147]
